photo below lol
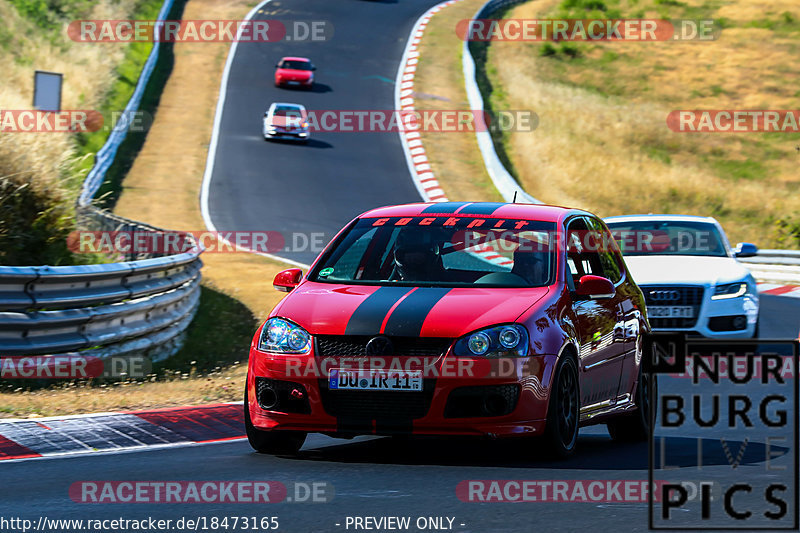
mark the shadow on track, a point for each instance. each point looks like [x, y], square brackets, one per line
[316, 88]
[311, 143]
[595, 452]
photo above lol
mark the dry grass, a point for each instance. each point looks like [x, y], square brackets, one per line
[454, 157]
[88, 74]
[163, 190]
[603, 145]
[40, 162]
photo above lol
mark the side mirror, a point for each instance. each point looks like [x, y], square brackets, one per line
[313, 67]
[288, 279]
[595, 287]
[745, 249]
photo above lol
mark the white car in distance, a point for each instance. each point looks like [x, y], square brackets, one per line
[689, 274]
[286, 121]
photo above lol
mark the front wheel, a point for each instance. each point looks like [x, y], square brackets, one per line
[635, 427]
[275, 442]
[561, 431]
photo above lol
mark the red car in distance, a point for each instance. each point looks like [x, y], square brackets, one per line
[454, 318]
[294, 72]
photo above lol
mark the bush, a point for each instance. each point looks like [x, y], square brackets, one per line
[547, 49]
[34, 223]
[570, 50]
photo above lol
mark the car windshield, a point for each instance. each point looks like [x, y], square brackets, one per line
[292, 64]
[441, 251]
[668, 237]
[288, 111]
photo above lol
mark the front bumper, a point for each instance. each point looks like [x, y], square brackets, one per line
[287, 135]
[716, 317]
[427, 412]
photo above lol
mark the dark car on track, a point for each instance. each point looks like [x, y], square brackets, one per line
[454, 318]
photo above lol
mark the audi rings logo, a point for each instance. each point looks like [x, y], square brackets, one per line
[665, 296]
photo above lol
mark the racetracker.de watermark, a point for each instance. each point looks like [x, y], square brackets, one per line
[74, 367]
[36, 121]
[734, 121]
[177, 242]
[204, 492]
[556, 490]
[581, 30]
[431, 120]
[199, 31]
[72, 121]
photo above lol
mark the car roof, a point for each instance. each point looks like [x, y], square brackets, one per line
[294, 58]
[273, 105]
[656, 217]
[545, 213]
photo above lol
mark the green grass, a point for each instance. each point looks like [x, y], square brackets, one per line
[739, 170]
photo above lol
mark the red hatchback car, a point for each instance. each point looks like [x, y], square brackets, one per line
[294, 72]
[454, 319]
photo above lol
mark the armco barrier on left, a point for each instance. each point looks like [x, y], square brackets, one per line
[135, 307]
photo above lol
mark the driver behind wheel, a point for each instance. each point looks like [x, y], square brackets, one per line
[532, 266]
[417, 256]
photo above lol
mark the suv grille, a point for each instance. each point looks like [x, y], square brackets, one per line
[355, 346]
[691, 295]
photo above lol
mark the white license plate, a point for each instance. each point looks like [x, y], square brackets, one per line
[374, 380]
[671, 311]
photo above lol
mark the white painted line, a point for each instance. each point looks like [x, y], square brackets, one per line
[212, 151]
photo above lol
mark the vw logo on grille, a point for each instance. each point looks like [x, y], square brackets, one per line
[379, 346]
[665, 296]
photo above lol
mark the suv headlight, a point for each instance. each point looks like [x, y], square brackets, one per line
[729, 290]
[498, 341]
[281, 336]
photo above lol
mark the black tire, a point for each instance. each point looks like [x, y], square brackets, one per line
[275, 442]
[635, 427]
[563, 412]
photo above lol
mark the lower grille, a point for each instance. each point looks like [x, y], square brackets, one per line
[677, 295]
[482, 401]
[356, 345]
[727, 323]
[276, 395]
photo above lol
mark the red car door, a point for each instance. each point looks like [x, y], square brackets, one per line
[598, 322]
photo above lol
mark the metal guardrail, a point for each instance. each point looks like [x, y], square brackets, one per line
[503, 181]
[105, 156]
[140, 306]
[775, 266]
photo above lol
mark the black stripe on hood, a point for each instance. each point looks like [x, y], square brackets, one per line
[406, 320]
[369, 315]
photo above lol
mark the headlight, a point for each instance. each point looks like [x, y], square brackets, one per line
[498, 341]
[729, 290]
[281, 336]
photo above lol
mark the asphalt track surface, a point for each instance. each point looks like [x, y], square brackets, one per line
[318, 187]
[418, 478]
